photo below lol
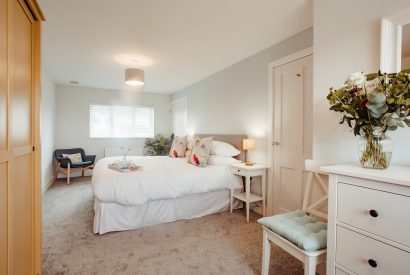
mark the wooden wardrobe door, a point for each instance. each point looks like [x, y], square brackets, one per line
[21, 184]
[4, 153]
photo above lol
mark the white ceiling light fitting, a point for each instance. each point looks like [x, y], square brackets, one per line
[134, 77]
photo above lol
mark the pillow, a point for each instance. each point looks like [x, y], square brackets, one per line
[75, 158]
[188, 153]
[190, 141]
[221, 160]
[190, 144]
[220, 148]
[200, 152]
[178, 147]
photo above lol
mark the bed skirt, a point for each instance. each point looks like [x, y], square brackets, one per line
[115, 217]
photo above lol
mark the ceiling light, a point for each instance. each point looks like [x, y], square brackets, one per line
[74, 82]
[134, 77]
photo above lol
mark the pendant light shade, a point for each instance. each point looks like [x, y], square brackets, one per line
[134, 77]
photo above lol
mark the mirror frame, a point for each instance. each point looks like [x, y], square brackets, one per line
[391, 39]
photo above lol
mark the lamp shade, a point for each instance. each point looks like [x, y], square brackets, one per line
[134, 77]
[248, 144]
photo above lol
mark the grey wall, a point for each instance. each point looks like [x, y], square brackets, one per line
[47, 123]
[235, 100]
[73, 116]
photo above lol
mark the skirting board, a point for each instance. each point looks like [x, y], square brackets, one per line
[45, 185]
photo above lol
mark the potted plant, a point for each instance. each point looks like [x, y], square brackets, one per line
[372, 105]
[158, 145]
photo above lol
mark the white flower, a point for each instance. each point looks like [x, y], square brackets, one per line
[372, 84]
[356, 79]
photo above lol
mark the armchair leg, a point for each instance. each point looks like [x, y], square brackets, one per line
[57, 171]
[68, 174]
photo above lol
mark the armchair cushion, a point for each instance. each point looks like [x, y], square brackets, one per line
[75, 158]
[87, 160]
[81, 164]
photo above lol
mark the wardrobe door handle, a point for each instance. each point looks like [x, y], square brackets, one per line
[373, 213]
[372, 263]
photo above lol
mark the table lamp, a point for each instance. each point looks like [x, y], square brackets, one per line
[248, 144]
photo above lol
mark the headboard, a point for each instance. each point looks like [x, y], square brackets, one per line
[235, 140]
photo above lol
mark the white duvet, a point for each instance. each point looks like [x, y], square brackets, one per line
[160, 178]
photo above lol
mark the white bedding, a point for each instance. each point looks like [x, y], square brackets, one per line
[160, 178]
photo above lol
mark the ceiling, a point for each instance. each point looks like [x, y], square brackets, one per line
[175, 42]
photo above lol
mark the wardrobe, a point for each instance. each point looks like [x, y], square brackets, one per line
[20, 192]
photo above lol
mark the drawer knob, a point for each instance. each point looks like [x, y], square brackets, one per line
[372, 263]
[373, 213]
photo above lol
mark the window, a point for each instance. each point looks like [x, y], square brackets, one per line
[121, 122]
[179, 117]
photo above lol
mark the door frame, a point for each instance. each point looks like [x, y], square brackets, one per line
[271, 67]
[185, 98]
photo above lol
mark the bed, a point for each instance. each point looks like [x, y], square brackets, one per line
[164, 190]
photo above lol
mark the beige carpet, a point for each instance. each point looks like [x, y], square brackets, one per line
[217, 244]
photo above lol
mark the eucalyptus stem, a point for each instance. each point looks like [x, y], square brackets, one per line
[373, 154]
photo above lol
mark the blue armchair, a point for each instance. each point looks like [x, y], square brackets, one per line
[66, 166]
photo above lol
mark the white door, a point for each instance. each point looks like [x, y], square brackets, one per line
[179, 117]
[293, 85]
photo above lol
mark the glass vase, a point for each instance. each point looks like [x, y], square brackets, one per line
[375, 151]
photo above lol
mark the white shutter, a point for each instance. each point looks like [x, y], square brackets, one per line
[179, 117]
[121, 121]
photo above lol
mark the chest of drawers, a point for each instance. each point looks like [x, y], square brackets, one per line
[369, 220]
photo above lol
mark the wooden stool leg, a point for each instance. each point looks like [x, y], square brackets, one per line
[310, 265]
[266, 254]
[68, 174]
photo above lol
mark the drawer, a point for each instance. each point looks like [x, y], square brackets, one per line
[357, 252]
[390, 217]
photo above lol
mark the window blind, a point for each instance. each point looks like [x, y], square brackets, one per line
[121, 121]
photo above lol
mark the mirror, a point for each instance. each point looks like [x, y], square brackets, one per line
[405, 47]
[395, 41]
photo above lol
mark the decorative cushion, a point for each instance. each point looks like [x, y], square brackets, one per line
[188, 153]
[220, 148]
[200, 152]
[75, 158]
[298, 228]
[178, 147]
[190, 143]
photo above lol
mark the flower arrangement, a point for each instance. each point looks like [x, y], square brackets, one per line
[372, 105]
[125, 152]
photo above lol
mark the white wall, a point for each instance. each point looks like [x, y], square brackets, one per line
[47, 124]
[346, 40]
[405, 63]
[235, 100]
[73, 116]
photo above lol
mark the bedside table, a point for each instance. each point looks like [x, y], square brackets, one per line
[256, 170]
